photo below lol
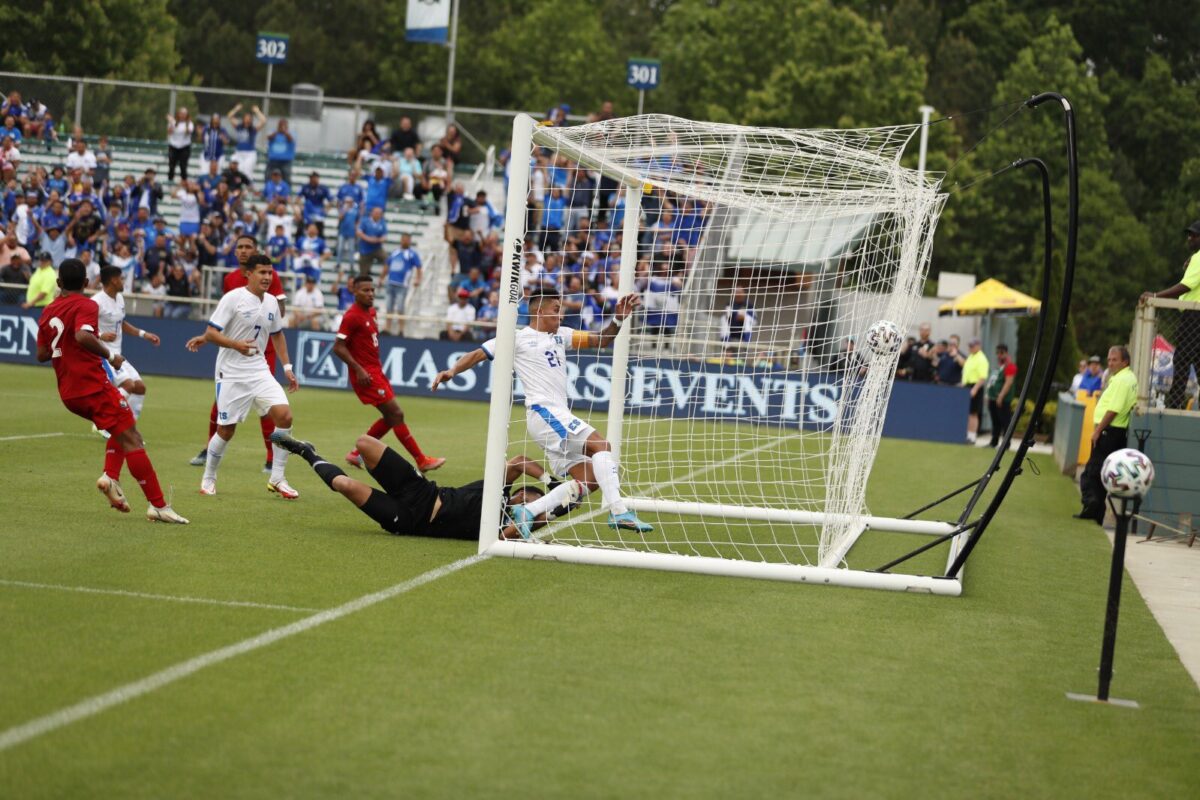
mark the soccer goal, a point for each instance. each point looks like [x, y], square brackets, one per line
[745, 402]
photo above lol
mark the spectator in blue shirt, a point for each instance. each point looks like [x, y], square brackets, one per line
[281, 150]
[142, 222]
[245, 131]
[11, 130]
[57, 182]
[403, 270]
[146, 193]
[212, 145]
[351, 189]
[310, 250]
[345, 292]
[316, 197]
[377, 190]
[347, 233]
[488, 311]
[279, 248]
[1093, 379]
[553, 219]
[572, 303]
[276, 187]
[372, 233]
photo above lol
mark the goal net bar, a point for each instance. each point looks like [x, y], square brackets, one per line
[744, 401]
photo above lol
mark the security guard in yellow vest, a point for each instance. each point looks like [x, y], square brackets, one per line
[1187, 336]
[1111, 417]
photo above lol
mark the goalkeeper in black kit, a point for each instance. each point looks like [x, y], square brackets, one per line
[412, 505]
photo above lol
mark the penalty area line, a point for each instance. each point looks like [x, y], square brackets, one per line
[148, 596]
[94, 705]
[32, 436]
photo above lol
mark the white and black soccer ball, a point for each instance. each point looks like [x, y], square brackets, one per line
[1127, 473]
[883, 338]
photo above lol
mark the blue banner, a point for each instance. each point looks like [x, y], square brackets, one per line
[428, 21]
[662, 387]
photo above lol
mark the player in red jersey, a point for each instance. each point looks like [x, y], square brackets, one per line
[357, 344]
[67, 338]
[243, 248]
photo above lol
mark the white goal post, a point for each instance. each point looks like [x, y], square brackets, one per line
[745, 403]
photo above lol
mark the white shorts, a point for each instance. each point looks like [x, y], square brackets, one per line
[125, 373]
[247, 160]
[562, 435]
[236, 397]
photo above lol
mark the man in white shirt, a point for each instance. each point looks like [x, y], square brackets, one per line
[572, 446]
[81, 158]
[307, 305]
[459, 318]
[113, 327]
[240, 325]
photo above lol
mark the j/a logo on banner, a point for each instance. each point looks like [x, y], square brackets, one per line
[318, 365]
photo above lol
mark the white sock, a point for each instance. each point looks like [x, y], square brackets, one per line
[136, 401]
[563, 494]
[279, 458]
[604, 466]
[216, 449]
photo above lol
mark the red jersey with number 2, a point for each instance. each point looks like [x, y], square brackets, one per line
[79, 371]
[361, 333]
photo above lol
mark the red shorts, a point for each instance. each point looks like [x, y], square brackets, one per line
[378, 393]
[106, 409]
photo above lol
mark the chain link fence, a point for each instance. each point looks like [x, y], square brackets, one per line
[1165, 349]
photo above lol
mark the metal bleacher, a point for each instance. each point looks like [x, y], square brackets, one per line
[424, 222]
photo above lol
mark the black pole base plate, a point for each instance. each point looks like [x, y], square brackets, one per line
[1112, 701]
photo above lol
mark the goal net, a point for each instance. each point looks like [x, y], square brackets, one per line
[744, 401]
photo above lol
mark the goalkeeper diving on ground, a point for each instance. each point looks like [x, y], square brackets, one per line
[572, 447]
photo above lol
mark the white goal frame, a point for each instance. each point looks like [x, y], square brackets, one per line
[826, 573]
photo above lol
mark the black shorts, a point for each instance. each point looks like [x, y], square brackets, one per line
[404, 505]
[976, 406]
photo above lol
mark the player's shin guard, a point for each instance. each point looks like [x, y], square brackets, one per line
[114, 459]
[378, 429]
[279, 456]
[216, 450]
[268, 427]
[410, 444]
[143, 472]
[604, 466]
[327, 472]
[564, 494]
[136, 401]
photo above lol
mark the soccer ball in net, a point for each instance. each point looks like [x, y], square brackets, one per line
[1127, 473]
[883, 338]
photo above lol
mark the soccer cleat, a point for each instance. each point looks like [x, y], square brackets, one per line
[628, 522]
[293, 445]
[429, 463]
[200, 458]
[112, 490]
[522, 519]
[354, 459]
[103, 433]
[208, 486]
[165, 514]
[283, 489]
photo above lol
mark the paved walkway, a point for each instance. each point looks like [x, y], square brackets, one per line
[1167, 573]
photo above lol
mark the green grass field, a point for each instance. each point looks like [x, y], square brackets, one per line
[528, 679]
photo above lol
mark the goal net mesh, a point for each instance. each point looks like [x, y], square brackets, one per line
[752, 406]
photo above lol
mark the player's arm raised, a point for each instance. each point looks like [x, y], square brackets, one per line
[625, 308]
[133, 330]
[282, 351]
[470, 360]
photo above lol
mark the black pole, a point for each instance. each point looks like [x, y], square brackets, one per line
[942, 499]
[1061, 322]
[1113, 609]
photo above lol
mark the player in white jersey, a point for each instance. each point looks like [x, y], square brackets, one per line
[572, 446]
[111, 302]
[240, 325]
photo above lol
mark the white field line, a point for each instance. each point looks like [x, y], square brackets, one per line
[31, 436]
[94, 705]
[146, 596]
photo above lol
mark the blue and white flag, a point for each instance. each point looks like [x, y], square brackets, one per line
[428, 21]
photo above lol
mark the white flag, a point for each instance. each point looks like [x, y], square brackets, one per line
[428, 21]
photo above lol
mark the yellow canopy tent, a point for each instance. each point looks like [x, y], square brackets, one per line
[991, 297]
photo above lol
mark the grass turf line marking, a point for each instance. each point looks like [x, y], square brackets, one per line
[94, 705]
[166, 597]
[31, 436]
